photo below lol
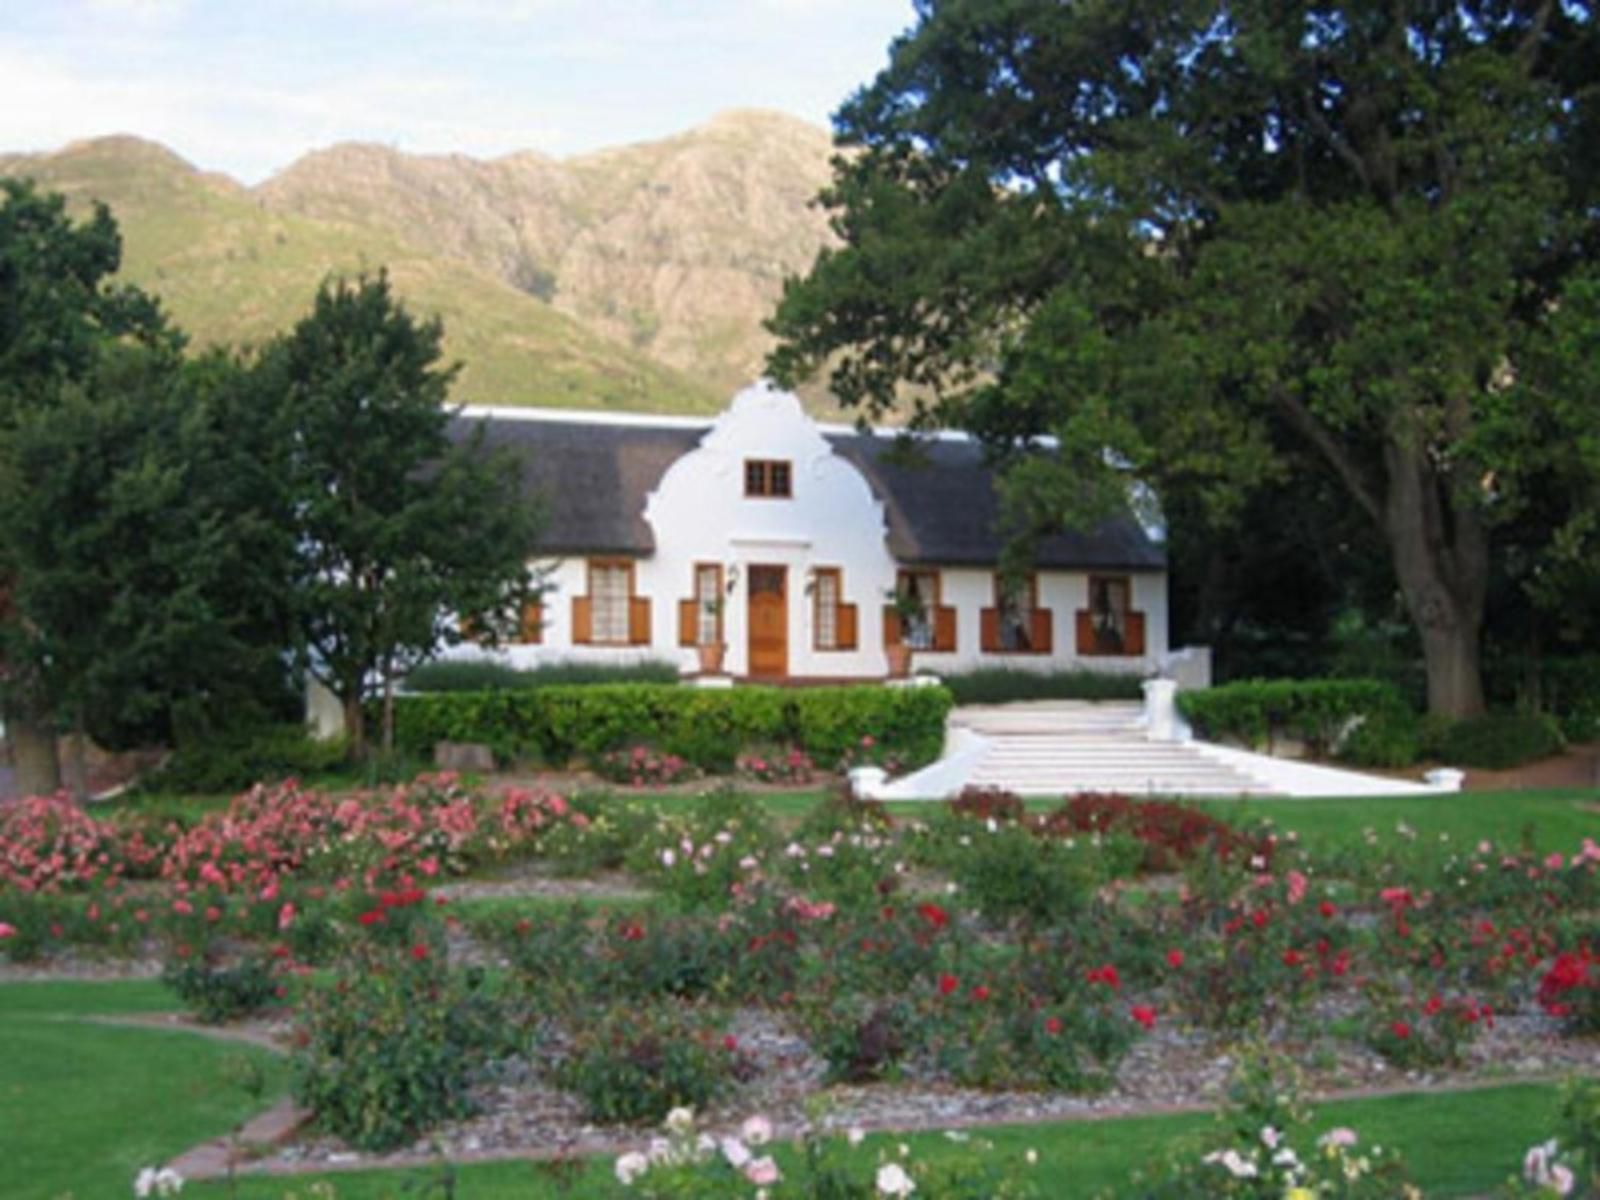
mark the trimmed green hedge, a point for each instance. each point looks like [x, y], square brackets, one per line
[483, 675]
[1314, 711]
[1501, 740]
[560, 724]
[1002, 685]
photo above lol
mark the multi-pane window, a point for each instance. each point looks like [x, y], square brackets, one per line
[1015, 600]
[1110, 598]
[708, 598]
[825, 596]
[767, 477]
[923, 587]
[610, 589]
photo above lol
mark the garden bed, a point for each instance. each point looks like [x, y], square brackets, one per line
[522, 973]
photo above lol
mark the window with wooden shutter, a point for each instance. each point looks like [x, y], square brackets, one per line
[833, 622]
[1016, 624]
[610, 607]
[1109, 626]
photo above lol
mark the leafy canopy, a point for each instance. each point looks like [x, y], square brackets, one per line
[1226, 241]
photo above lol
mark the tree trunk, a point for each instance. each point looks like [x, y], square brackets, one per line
[355, 724]
[33, 754]
[1441, 558]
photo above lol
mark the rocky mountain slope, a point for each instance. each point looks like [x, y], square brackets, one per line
[634, 278]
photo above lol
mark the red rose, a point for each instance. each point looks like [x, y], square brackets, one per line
[1259, 917]
[419, 952]
[948, 983]
[1291, 958]
[1143, 1014]
[371, 917]
[730, 1043]
[980, 992]
[1327, 909]
[1052, 1025]
[1174, 958]
[1401, 1030]
[934, 915]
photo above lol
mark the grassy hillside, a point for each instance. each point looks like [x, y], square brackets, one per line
[233, 270]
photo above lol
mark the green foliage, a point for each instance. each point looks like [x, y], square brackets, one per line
[1317, 712]
[638, 1062]
[1565, 687]
[559, 724]
[223, 991]
[1009, 873]
[479, 675]
[1230, 275]
[389, 1048]
[395, 528]
[1390, 736]
[1002, 685]
[1501, 740]
[235, 759]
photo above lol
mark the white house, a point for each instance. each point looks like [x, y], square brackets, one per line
[784, 541]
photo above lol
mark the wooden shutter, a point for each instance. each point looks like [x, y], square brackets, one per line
[688, 622]
[845, 627]
[1134, 642]
[532, 625]
[1085, 631]
[1042, 631]
[989, 630]
[639, 620]
[891, 626]
[944, 629]
[582, 621]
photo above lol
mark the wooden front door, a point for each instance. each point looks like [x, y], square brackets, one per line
[769, 621]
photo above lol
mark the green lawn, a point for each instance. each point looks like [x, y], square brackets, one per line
[84, 1106]
[1458, 1144]
[1550, 820]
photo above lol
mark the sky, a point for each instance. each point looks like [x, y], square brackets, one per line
[247, 86]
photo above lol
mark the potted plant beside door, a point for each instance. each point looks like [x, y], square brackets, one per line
[711, 653]
[908, 608]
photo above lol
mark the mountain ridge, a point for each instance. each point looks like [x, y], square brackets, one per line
[634, 277]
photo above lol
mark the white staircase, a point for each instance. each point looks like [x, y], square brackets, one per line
[1060, 748]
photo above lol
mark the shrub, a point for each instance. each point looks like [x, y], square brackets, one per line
[639, 1062]
[559, 724]
[1171, 834]
[988, 803]
[1009, 873]
[1386, 737]
[1501, 740]
[235, 760]
[1318, 712]
[387, 1050]
[782, 766]
[1430, 1032]
[223, 991]
[641, 766]
[1002, 685]
[483, 675]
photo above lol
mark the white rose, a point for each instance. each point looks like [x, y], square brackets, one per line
[757, 1131]
[736, 1152]
[893, 1181]
[630, 1166]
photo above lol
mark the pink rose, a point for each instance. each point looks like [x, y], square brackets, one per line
[7, 931]
[763, 1172]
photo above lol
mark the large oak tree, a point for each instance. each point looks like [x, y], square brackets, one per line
[1223, 240]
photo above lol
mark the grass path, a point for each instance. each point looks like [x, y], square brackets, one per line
[83, 1106]
[1462, 1143]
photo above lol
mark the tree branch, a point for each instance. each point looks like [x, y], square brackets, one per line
[1338, 456]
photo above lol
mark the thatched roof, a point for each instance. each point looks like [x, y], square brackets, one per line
[592, 479]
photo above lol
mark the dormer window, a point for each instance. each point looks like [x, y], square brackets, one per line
[768, 477]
